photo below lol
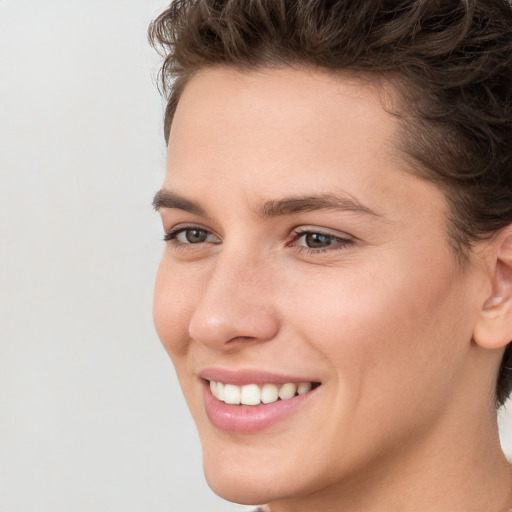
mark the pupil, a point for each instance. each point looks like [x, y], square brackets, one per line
[318, 240]
[195, 236]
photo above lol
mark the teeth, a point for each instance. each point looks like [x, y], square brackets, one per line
[220, 390]
[253, 394]
[302, 388]
[287, 391]
[250, 395]
[232, 394]
[269, 393]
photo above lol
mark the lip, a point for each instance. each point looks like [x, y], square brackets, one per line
[249, 419]
[243, 377]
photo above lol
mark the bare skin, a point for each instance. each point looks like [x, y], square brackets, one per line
[300, 244]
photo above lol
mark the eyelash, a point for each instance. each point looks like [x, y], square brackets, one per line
[171, 235]
[338, 243]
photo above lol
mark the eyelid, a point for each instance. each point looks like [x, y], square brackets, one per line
[343, 240]
[171, 234]
[302, 230]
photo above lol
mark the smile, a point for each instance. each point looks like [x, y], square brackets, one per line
[254, 394]
[235, 404]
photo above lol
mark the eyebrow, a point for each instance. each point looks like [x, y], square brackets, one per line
[304, 204]
[166, 199]
[273, 208]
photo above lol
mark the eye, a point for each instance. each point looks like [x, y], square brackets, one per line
[190, 236]
[318, 241]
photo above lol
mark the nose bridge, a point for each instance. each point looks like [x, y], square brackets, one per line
[236, 301]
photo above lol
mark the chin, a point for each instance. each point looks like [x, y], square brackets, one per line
[249, 483]
[240, 491]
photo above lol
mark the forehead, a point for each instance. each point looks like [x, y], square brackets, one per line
[298, 131]
[301, 100]
[279, 119]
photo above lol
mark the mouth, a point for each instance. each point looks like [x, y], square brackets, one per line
[248, 402]
[256, 394]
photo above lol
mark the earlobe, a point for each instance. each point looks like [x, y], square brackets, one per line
[494, 326]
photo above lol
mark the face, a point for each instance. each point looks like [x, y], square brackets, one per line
[303, 260]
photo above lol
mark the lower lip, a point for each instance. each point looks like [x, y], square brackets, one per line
[247, 419]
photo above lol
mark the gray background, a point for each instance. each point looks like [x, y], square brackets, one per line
[91, 416]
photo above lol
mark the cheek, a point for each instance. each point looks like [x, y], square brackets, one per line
[172, 309]
[378, 328]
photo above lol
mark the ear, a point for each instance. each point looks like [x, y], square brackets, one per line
[494, 326]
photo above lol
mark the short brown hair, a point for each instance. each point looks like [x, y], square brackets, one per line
[451, 59]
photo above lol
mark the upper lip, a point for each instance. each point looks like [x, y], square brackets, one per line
[249, 376]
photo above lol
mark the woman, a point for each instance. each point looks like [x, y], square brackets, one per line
[336, 287]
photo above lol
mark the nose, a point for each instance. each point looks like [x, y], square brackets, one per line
[235, 305]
